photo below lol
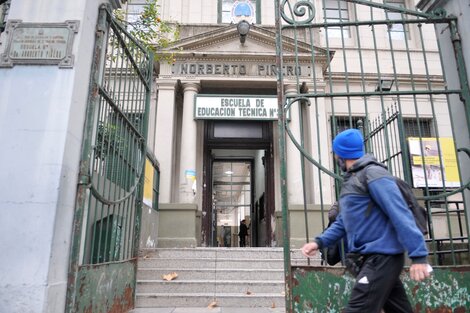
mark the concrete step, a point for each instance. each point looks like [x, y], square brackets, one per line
[203, 273]
[155, 300]
[211, 263]
[237, 253]
[209, 286]
[191, 263]
[234, 277]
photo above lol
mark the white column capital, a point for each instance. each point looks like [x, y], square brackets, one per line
[166, 84]
[318, 86]
[193, 86]
[290, 88]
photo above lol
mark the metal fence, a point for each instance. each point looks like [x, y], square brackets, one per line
[109, 200]
[376, 66]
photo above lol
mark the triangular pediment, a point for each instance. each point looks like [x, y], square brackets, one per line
[226, 41]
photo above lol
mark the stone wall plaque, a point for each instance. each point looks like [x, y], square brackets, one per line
[39, 44]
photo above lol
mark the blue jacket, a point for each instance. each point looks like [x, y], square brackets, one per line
[387, 228]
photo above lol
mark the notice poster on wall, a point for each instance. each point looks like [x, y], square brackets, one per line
[428, 157]
[148, 183]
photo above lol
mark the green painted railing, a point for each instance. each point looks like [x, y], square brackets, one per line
[379, 68]
[327, 289]
[102, 269]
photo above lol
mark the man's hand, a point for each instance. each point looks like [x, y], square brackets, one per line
[419, 272]
[310, 249]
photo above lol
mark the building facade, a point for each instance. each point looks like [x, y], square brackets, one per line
[216, 111]
[71, 223]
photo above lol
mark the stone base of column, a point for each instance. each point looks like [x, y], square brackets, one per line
[178, 225]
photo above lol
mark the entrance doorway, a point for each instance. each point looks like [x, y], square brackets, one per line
[233, 193]
[238, 183]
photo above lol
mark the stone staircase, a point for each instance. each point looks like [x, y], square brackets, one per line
[231, 277]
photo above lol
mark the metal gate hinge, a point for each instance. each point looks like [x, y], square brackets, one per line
[84, 180]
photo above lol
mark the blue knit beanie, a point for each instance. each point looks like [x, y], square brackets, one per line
[349, 144]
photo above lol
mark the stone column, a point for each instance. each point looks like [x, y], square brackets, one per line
[165, 137]
[294, 168]
[152, 117]
[187, 171]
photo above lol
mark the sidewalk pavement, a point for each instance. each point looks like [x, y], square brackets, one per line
[209, 310]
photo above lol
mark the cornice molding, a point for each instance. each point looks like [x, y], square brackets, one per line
[198, 42]
[166, 84]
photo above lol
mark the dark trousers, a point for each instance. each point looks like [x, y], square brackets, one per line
[242, 241]
[378, 286]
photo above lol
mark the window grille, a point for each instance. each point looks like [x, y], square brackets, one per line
[412, 127]
[376, 137]
[346, 122]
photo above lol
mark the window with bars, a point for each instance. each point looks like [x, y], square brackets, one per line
[413, 128]
[336, 11]
[397, 31]
[232, 11]
[346, 122]
[386, 144]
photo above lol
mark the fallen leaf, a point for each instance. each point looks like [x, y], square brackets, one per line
[146, 256]
[170, 276]
[212, 305]
[248, 292]
[273, 306]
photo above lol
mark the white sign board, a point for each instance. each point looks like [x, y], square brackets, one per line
[39, 44]
[235, 107]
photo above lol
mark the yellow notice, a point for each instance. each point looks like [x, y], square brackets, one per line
[148, 183]
[434, 162]
[450, 159]
[429, 160]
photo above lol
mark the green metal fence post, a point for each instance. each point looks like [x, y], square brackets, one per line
[84, 172]
[282, 158]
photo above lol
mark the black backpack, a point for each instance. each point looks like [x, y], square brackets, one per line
[419, 213]
[333, 253]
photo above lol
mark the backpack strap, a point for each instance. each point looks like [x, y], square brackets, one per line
[362, 178]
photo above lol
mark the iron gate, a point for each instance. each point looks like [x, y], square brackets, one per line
[109, 198]
[376, 66]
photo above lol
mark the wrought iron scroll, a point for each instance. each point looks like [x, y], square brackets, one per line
[302, 8]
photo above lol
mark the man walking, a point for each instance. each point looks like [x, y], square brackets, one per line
[379, 228]
[242, 233]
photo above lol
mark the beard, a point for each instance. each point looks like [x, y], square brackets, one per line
[342, 164]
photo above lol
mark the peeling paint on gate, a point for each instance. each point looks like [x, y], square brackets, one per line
[106, 288]
[327, 289]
